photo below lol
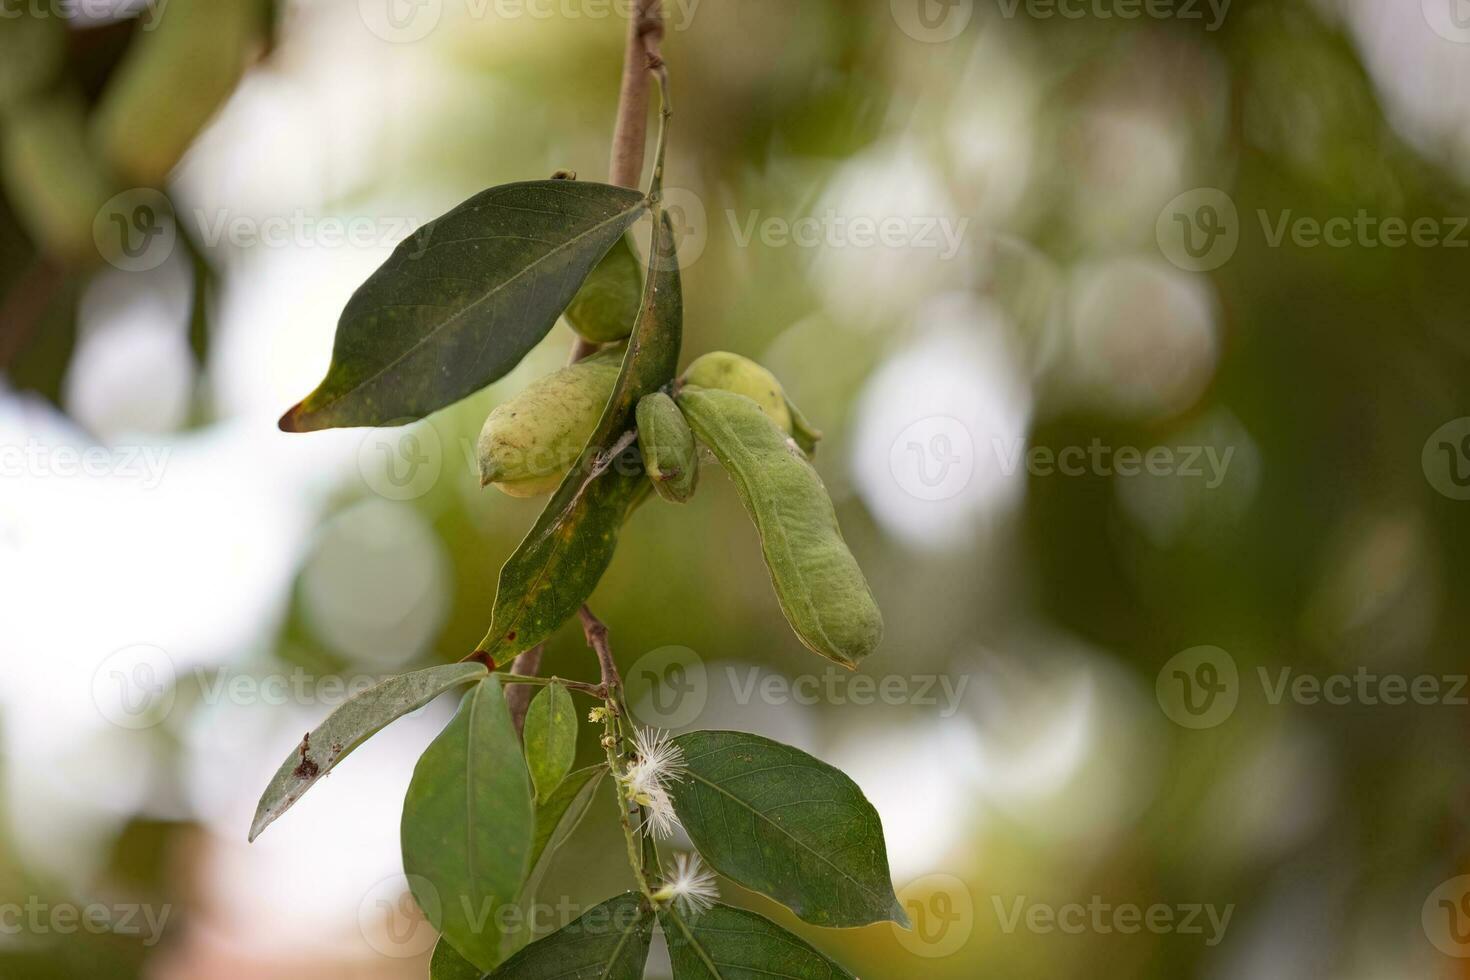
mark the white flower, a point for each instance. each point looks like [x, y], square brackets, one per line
[646, 781]
[692, 888]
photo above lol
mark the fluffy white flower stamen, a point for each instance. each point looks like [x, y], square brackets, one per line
[646, 782]
[692, 888]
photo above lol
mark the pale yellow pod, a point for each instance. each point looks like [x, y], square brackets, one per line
[529, 442]
[732, 372]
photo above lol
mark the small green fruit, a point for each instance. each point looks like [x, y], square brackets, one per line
[529, 442]
[606, 306]
[667, 444]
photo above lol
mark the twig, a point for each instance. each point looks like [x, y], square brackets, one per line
[630, 135]
[595, 630]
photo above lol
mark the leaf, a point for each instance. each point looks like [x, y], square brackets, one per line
[468, 823]
[818, 583]
[559, 563]
[349, 726]
[550, 738]
[462, 300]
[556, 820]
[447, 964]
[607, 304]
[608, 942]
[780, 822]
[559, 816]
[725, 943]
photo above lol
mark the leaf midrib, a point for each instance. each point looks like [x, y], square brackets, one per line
[801, 844]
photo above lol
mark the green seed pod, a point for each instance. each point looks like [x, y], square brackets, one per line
[731, 372]
[818, 583]
[607, 304]
[177, 72]
[529, 442]
[669, 455]
[32, 49]
[51, 175]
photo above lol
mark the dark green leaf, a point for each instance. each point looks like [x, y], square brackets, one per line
[447, 964]
[780, 822]
[725, 943]
[607, 304]
[348, 727]
[820, 587]
[561, 560]
[462, 300]
[550, 737]
[608, 942]
[468, 824]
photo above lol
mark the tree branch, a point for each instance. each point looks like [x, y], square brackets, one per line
[630, 137]
[596, 633]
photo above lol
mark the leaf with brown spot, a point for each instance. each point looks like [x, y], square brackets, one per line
[348, 727]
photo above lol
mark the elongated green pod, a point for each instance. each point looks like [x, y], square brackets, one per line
[669, 455]
[183, 64]
[32, 49]
[51, 175]
[607, 304]
[529, 442]
[818, 583]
